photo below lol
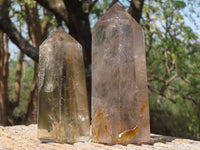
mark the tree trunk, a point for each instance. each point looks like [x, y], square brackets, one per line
[135, 9]
[31, 114]
[35, 35]
[17, 83]
[4, 100]
[35, 32]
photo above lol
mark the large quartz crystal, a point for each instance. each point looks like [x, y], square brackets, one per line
[120, 109]
[63, 107]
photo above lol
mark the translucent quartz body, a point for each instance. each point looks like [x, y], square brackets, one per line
[63, 107]
[120, 110]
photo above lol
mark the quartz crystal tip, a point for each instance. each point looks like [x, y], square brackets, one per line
[116, 14]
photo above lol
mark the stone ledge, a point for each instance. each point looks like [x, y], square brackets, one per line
[24, 137]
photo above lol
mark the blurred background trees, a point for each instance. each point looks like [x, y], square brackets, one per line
[172, 52]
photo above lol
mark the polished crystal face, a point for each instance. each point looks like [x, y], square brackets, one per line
[120, 109]
[63, 107]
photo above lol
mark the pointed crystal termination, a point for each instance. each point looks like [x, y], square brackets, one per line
[120, 109]
[63, 107]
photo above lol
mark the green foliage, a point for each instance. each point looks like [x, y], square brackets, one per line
[18, 16]
[179, 4]
[172, 50]
[98, 10]
[31, 3]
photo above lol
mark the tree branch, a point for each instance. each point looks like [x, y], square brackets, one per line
[92, 5]
[9, 28]
[171, 79]
[135, 9]
[45, 23]
[57, 7]
[191, 99]
[161, 94]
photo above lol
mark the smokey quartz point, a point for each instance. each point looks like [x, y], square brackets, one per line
[63, 107]
[120, 109]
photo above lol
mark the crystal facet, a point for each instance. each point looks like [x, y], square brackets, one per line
[120, 109]
[63, 107]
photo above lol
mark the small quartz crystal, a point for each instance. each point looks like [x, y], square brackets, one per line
[63, 114]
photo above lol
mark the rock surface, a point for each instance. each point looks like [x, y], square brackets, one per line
[24, 137]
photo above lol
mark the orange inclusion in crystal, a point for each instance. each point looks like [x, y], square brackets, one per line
[68, 59]
[142, 110]
[99, 117]
[105, 123]
[103, 108]
[120, 126]
[125, 136]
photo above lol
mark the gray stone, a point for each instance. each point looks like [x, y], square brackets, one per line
[120, 109]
